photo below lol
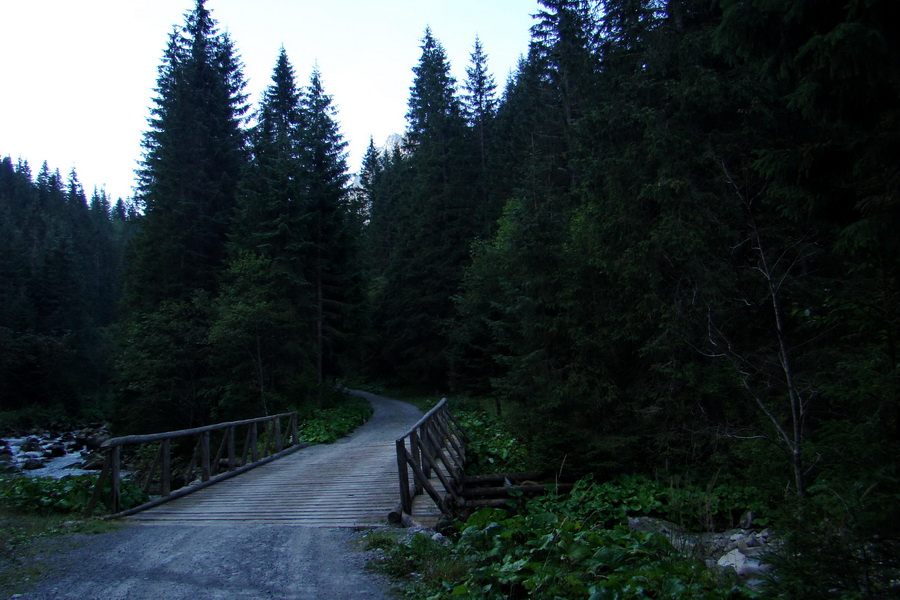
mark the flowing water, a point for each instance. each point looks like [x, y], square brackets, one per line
[22, 450]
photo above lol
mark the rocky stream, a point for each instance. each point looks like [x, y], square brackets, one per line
[41, 453]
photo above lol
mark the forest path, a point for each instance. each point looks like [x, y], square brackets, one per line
[195, 556]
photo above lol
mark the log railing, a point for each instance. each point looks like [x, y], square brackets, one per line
[432, 455]
[264, 440]
[435, 446]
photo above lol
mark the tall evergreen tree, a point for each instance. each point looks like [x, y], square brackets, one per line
[194, 153]
[266, 304]
[435, 222]
[479, 107]
[333, 266]
[434, 109]
[193, 156]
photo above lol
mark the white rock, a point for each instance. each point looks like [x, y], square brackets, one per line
[734, 559]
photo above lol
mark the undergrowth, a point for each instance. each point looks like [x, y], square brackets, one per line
[578, 546]
[65, 495]
[493, 447]
[329, 424]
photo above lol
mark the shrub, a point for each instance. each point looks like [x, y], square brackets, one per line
[493, 448]
[70, 494]
[328, 425]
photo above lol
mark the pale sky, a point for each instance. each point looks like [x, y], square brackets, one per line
[78, 75]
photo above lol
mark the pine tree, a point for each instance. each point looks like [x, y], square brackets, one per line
[433, 105]
[435, 220]
[265, 301]
[193, 156]
[332, 264]
[194, 153]
[371, 169]
[479, 107]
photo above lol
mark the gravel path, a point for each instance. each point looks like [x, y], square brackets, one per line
[231, 561]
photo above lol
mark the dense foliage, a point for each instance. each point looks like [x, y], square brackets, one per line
[493, 447]
[242, 287]
[60, 277]
[329, 424]
[66, 495]
[563, 547]
[692, 271]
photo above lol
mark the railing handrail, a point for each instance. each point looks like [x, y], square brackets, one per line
[168, 435]
[248, 458]
[436, 437]
[426, 417]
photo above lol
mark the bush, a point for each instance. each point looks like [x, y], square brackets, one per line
[70, 494]
[328, 425]
[493, 448]
[691, 506]
[575, 546]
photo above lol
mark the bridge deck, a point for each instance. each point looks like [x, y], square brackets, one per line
[352, 483]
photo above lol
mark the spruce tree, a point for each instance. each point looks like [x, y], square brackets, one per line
[193, 156]
[265, 306]
[435, 223]
[332, 265]
[479, 107]
[194, 153]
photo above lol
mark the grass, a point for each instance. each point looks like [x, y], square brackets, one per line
[418, 565]
[24, 536]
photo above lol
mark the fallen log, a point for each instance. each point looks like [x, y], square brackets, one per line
[533, 488]
[500, 478]
[395, 517]
[408, 522]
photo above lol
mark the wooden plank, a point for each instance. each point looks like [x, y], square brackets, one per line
[339, 485]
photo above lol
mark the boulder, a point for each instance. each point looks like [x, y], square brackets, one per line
[744, 565]
[55, 451]
[95, 441]
[33, 463]
[32, 444]
[737, 549]
[6, 464]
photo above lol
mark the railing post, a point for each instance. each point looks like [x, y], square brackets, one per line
[166, 468]
[254, 436]
[427, 450]
[231, 458]
[403, 470]
[204, 456]
[416, 450]
[278, 443]
[115, 466]
[295, 429]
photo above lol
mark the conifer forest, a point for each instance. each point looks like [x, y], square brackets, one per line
[667, 245]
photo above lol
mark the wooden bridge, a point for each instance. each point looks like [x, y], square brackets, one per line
[386, 470]
[351, 483]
